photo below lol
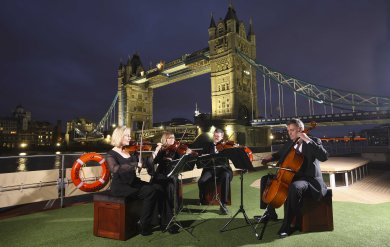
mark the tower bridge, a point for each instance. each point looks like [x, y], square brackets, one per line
[230, 59]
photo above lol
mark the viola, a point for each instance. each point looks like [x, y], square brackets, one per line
[230, 144]
[136, 147]
[180, 148]
[275, 193]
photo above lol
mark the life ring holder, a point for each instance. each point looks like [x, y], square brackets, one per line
[82, 162]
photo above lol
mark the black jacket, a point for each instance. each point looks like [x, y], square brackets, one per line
[313, 153]
[209, 148]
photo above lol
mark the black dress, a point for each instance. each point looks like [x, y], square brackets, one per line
[126, 183]
[168, 185]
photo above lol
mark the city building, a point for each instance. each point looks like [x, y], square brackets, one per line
[20, 132]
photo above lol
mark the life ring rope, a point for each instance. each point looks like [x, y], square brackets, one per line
[82, 162]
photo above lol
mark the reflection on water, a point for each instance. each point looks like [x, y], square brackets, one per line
[31, 163]
[22, 164]
[57, 161]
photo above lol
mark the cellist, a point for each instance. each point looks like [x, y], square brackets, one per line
[307, 181]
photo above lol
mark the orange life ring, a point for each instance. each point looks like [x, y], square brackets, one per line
[82, 161]
[248, 151]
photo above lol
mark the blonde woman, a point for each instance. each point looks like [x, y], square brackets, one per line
[125, 183]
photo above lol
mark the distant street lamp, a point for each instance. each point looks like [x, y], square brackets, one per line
[271, 137]
[23, 145]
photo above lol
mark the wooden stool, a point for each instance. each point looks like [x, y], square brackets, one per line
[210, 193]
[317, 215]
[115, 217]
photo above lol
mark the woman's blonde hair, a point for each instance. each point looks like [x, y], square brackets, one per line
[117, 135]
[165, 137]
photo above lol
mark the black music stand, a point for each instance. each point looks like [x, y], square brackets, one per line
[182, 165]
[240, 161]
[208, 161]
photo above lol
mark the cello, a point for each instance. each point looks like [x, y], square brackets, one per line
[275, 194]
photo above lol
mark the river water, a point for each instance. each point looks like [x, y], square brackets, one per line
[40, 162]
[9, 164]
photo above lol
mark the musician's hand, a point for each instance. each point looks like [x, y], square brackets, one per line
[168, 158]
[188, 151]
[139, 167]
[236, 145]
[159, 145]
[303, 137]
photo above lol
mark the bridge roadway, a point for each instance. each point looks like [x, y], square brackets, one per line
[188, 66]
[336, 119]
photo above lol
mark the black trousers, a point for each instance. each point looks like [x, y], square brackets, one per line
[223, 177]
[167, 188]
[297, 190]
[148, 193]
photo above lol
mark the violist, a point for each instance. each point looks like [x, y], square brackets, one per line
[307, 181]
[164, 154]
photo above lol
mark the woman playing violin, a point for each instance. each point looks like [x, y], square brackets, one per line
[307, 181]
[164, 154]
[123, 166]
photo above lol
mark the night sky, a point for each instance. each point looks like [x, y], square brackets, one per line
[59, 59]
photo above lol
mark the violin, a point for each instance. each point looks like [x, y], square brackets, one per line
[136, 147]
[180, 148]
[230, 144]
[275, 193]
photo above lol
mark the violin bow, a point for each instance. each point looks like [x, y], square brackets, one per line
[181, 138]
[183, 135]
[140, 150]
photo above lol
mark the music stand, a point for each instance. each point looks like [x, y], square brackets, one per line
[208, 161]
[181, 166]
[240, 161]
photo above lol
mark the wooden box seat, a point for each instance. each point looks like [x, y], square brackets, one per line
[210, 193]
[115, 217]
[317, 215]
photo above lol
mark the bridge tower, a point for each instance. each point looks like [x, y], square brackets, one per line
[135, 101]
[233, 81]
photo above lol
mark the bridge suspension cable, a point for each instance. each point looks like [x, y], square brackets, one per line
[320, 94]
[109, 117]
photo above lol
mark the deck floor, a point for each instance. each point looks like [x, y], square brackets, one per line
[374, 188]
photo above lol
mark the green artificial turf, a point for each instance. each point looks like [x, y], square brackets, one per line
[355, 224]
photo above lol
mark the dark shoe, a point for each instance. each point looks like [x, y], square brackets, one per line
[163, 228]
[142, 229]
[267, 216]
[202, 202]
[284, 231]
[223, 209]
[295, 228]
[283, 235]
[173, 229]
